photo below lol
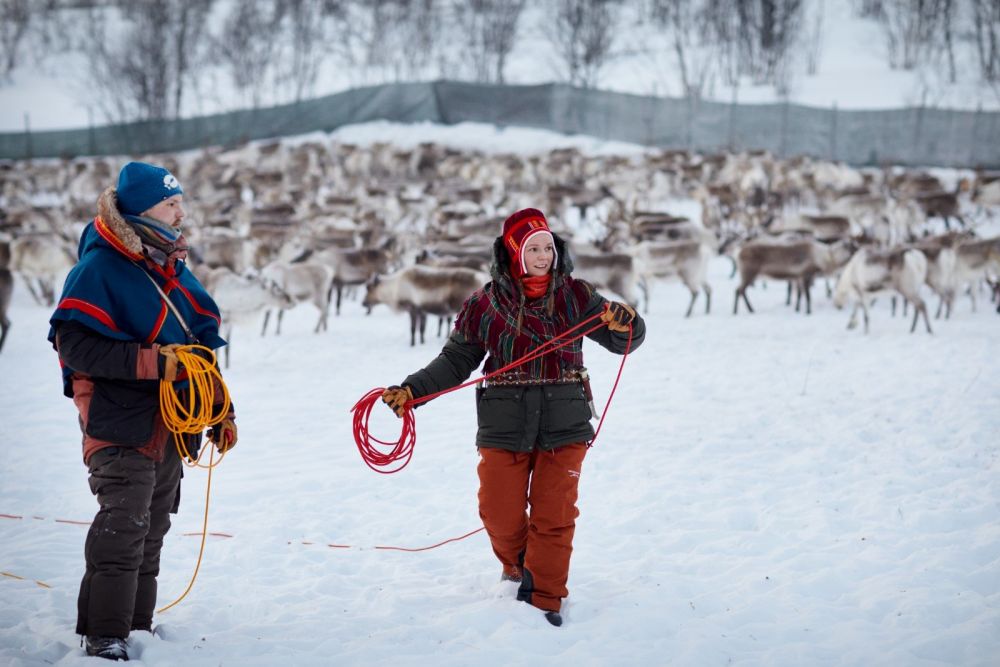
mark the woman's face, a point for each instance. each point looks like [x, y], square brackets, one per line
[537, 255]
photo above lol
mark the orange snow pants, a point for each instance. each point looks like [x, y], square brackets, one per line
[534, 544]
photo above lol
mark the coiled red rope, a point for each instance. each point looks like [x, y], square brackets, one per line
[401, 450]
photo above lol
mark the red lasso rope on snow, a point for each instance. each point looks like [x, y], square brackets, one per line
[402, 448]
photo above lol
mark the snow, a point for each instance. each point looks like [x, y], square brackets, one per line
[767, 489]
[853, 72]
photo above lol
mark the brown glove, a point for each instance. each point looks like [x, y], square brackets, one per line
[223, 435]
[618, 316]
[396, 398]
[171, 367]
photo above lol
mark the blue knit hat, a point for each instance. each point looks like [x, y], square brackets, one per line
[141, 186]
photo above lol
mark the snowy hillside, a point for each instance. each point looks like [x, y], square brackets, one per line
[852, 72]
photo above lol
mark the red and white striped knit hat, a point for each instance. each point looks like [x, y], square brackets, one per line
[518, 229]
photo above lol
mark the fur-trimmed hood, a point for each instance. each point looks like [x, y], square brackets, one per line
[107, 211]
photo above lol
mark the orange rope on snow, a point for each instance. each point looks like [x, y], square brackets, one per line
[75, 523]
[435, 546]
[204, 534]
[303, 542]
[14, 576]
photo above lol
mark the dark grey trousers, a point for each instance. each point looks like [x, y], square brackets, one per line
[137, 496]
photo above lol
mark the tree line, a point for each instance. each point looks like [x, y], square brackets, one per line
[146, 59]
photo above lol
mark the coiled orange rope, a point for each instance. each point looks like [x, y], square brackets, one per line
[192, 411]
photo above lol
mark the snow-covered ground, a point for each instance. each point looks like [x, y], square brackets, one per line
[767, 489]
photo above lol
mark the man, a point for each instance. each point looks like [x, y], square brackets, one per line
[116, 336]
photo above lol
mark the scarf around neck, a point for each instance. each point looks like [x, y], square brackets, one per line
[535, 286]
[161, 243]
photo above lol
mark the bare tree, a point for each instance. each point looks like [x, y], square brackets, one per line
[404, 38]
[947, 12]
[187, 36]
[488, 29]
[912, 30]
[386, 39]
[247, 43]
[723, 28]
[142, 77]
[26, 30]
[986, 17]
[814, 37]
[583, 33]
[15, 16]
[304, 37]
[871, 9]
[768, 29]
[687, 27]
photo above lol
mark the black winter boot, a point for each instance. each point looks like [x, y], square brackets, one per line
[109, 648]
[554, 617]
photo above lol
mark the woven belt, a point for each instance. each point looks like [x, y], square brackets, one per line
[524, 380]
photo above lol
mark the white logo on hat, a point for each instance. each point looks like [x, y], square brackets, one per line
[170, 182]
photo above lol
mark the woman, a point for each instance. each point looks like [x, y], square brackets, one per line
[116, 334]
[534, 420]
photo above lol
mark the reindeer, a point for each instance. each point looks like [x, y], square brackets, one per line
[651, 226]
[942, 268]
[225, 248]
[422, 290]
[431, 256]
[869, 272]
[353, 266]
[797, 260]
[821, 227]
[303, 281]
[987, 194]
[42, 260]
[6, 289]
[686, 260]
[974, 260]
[240, 297]
[994, 286]
[614, 271]
[942, 204]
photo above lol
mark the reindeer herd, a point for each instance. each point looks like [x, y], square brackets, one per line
[274, 224]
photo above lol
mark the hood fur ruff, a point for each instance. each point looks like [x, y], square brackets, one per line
[107, 210]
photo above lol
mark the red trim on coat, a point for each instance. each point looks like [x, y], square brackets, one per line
[159, 323]
[198, 309]
[168, 276]
[89, 309]
[115, 242]
[173, 283]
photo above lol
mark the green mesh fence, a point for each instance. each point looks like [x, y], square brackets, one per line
[910, 136]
